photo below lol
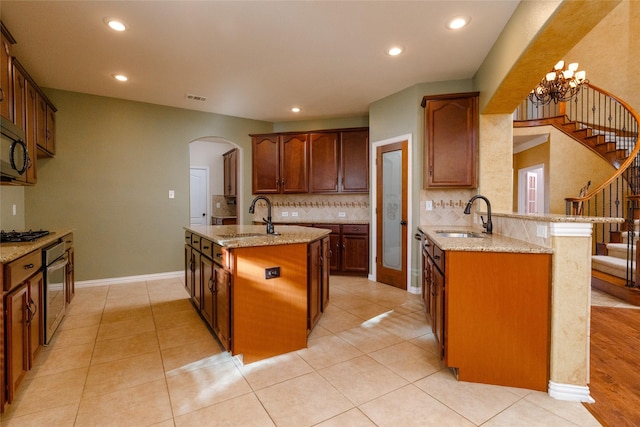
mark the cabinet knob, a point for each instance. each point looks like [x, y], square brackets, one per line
[28, 266]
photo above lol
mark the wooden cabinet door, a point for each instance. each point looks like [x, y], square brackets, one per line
[294, 163]
[5, 78]
[230, 173]
[31, 128]
[208, 283]
[335, 250]
[17, 339]
[51, 130]
[266, 164]
[314, 297]
[197, 280]
[325, 261]
[35, 313]
[70, 273]
[19, 97]
[323, 163]
[354, 257]
[354, 162]
[427, 278]
[222, 300]
[451, 141]
[41, 123]
[189, 269]
[437, 309]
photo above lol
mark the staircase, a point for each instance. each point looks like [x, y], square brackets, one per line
[609, 127]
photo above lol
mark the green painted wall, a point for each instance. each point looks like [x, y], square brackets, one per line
[116, 161]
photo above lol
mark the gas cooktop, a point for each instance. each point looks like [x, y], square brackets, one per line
[21, 236]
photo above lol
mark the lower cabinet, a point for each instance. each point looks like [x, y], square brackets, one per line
[490, 314]
[24, 330]
[209, 285]
[318, 281]
[349, 248]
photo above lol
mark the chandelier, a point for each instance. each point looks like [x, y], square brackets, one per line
[559, 85]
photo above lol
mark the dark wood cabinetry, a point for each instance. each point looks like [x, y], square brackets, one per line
[433, 290]
[348, 248]
[328, 161]
[339, 162]
[280, 163]
[209, 284]
[231, 173]
[6, 40]
[318, 281]
[451, 140]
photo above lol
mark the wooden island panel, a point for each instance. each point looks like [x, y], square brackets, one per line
[497, 317]
[269, 316]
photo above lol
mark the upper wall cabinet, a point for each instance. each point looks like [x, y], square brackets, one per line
[451, 140]
[339, 162]
[280, 163]
[6, 99]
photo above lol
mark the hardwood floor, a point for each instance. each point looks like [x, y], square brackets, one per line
[615, 377]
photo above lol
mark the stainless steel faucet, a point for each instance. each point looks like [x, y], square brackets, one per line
[252, 208]
[488, 226]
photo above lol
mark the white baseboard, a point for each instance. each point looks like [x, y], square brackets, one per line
[573, 393]
[129, 279]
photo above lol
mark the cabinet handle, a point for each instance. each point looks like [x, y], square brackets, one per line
[436, 257]
[1, 94]
[28, 266]
[206, 247]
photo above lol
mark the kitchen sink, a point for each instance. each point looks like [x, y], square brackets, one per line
[461, 234]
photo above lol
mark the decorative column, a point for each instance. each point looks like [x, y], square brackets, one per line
[570, 311]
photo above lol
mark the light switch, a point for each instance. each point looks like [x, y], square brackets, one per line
[172, 194]
[285, 213]
[342, 214]
[294, 213]
[429, 205]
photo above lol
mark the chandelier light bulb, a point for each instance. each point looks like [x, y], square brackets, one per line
[573, 66]
[551, 76]
[559, 65]
[581, 76]
[568, 73]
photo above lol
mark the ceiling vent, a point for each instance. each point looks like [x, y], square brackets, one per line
[196, 97]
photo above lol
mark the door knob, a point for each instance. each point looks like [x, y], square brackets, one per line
[203, 214]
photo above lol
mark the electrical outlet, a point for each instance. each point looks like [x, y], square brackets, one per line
[429, 205]
[294, 213]
[342, 214]
[217, 205]
[271, 273]
[285, 213]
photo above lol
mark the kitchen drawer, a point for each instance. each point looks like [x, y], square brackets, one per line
[335, 228]
[187, 238]
[206, 247]
[21, 269]
[217, 255]
[67, 239]
[355, 229]
[195, 241]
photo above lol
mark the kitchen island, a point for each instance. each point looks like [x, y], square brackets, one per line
[261, 294]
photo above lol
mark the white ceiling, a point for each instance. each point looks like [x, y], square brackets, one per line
[253, 59]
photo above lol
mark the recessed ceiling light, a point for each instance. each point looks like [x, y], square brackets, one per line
[295, 109]
[115, 24]
[458, 22]
[120, 77]
[395, 51]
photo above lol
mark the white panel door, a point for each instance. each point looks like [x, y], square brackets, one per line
[199, 196]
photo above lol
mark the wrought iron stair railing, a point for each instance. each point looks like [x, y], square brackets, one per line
[609, 126]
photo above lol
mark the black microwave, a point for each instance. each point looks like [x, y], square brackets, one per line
[14, 155]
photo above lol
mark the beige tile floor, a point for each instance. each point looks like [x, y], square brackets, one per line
[137, 354]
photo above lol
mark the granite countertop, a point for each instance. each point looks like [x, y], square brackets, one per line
[561, 218]
[488, 243]
[244, 236]
[224, 216]
[322, 221]
[12, 251]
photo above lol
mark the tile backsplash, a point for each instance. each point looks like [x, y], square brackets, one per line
[447, 207]
[222, 206]
[315, 207]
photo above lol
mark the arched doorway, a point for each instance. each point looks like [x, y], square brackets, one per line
[206, 165]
